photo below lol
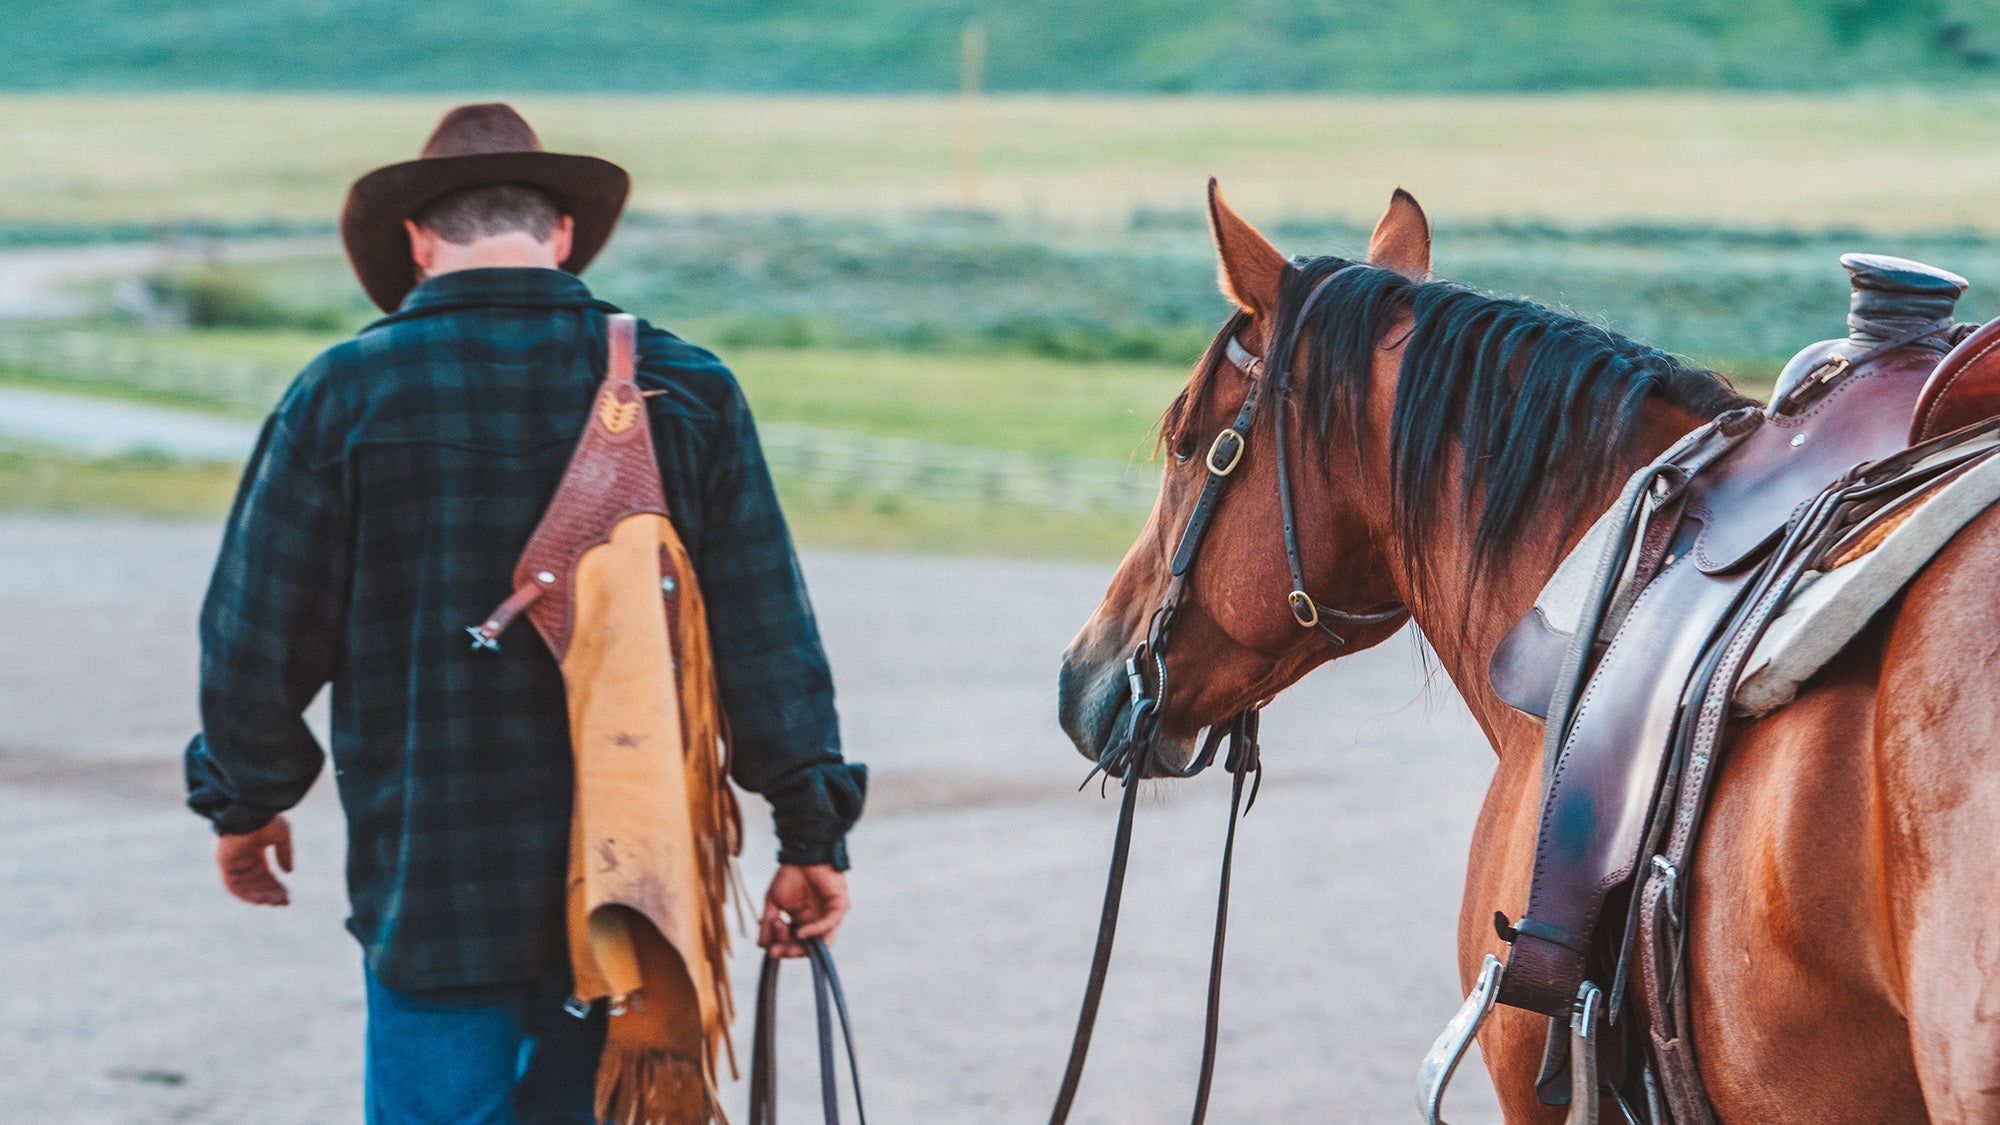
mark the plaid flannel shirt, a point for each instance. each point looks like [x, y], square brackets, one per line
[388, 499]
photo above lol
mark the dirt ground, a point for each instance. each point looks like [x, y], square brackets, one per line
[132, 990]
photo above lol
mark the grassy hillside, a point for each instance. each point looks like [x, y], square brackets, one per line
[1047, 45]
[1740, 160]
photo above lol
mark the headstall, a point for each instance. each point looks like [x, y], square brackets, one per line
[1131, 756]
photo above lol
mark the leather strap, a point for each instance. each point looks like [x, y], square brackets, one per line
[1218, 476]
[1715, 680]
[1100, 959]
[486, 635]
[1552, 941]
[1251, 365]
[1308, 611]
[1226, 452]
[1305, 608]
[1686, 457]
[829, 1001]
[1244, 759]
[623, 346]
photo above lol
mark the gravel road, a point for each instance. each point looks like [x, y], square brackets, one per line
[132, 990]
[103, 427]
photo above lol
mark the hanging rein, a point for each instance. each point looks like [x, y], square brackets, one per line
[1131, 756]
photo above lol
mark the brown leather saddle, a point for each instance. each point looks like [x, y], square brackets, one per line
[1709, 539]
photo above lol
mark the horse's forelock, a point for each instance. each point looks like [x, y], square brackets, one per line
[1188, 405]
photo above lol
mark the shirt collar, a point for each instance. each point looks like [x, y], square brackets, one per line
[495, 286]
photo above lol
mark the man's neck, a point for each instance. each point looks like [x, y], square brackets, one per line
[500, 252]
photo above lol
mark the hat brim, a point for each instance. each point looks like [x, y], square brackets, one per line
[589, 190]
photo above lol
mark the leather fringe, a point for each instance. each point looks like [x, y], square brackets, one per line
[649, 1086]
[714, 807]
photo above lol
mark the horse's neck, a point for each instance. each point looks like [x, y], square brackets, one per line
[1464, 620]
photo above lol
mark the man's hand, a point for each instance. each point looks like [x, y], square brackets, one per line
[247, 874]
[814, 899]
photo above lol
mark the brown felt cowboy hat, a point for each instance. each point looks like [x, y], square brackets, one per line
[472, 146]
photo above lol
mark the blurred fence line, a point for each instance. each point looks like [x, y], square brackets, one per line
[842, 464]
[849, 463]
[57, 355]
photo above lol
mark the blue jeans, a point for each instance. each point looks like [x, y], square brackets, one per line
[499, 1055]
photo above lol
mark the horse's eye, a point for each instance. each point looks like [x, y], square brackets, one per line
[1183, 449]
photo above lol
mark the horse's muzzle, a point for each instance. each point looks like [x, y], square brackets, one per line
[1091, 702]
[1094, 701]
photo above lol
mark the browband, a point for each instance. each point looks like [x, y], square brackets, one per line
[1240, 356]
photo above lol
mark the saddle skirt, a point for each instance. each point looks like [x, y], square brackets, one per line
[1827, 610]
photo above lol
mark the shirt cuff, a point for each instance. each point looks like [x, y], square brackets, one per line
[209, 795]
[240, 821]
[814, 855]
[812, 810]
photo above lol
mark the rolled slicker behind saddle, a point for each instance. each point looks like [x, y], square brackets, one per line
[607, 583]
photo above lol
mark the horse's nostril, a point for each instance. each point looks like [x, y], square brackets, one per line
[1068, 699]
[1087, 702]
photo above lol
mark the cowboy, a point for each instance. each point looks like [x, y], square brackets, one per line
[383, 510]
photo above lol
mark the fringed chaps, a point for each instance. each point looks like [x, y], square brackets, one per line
[608, 584]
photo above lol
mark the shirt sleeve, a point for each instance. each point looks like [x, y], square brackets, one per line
[269, 636]
[776, 687]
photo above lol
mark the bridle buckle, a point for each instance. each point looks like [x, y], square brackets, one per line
[1304, 610]
[1217, 464]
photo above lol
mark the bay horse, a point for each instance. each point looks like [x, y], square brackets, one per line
[1845, 930]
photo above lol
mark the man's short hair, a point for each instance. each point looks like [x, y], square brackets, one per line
[473, 213]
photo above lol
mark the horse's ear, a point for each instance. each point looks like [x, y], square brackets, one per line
[1249, 269]
[1402, 240]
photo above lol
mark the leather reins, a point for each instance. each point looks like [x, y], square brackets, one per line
[829, 1001]
[1132, 757]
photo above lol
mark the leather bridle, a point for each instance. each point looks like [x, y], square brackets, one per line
[1132, 756]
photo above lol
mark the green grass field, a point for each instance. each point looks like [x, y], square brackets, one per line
[40, 482]
[1034, 405]
[1002, 402]
[1882, 161]
[1013, 402]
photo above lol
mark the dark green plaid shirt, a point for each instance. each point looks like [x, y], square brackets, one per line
[391, 492]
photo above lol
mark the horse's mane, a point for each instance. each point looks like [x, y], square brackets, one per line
[1521, 389]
